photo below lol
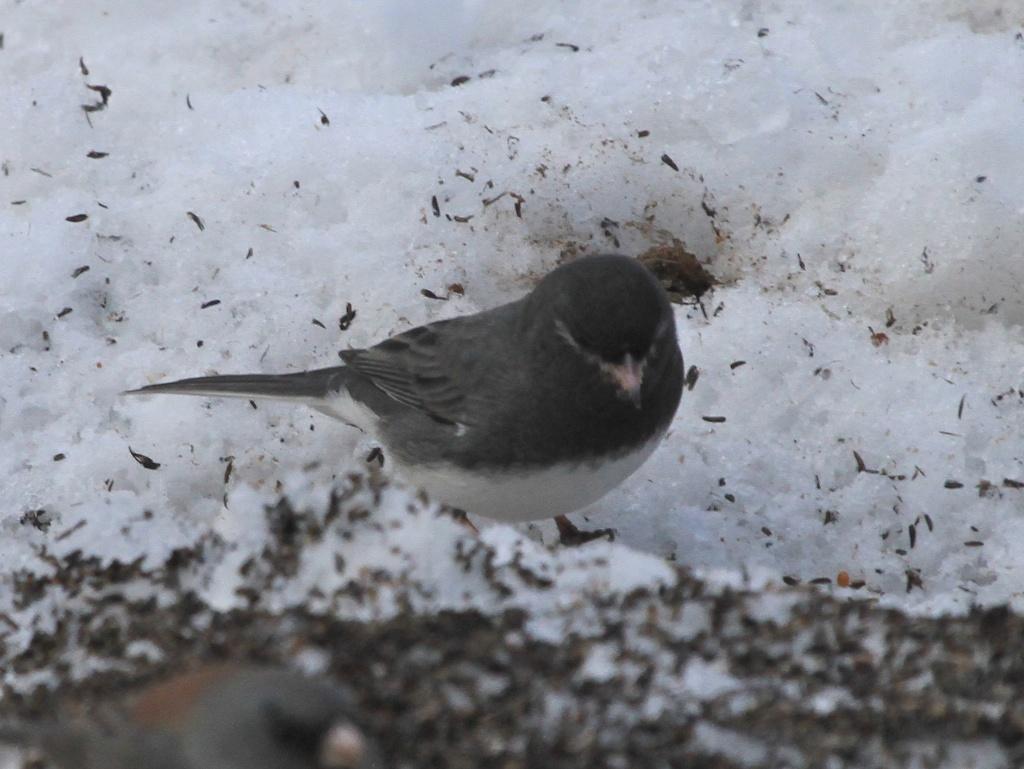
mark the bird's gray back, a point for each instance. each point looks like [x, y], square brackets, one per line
[489, 390]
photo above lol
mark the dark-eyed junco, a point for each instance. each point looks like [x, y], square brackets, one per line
[219, 717]
[531, 410]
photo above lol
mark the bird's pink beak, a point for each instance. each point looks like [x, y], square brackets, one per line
[343, 747]
[628, 378]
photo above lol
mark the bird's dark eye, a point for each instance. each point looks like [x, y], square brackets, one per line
[635, 353]
[291, 731]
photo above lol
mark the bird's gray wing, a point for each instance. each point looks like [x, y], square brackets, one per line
[435, 369]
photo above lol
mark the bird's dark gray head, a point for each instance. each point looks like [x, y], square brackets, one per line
[281, 719]
[611, 310]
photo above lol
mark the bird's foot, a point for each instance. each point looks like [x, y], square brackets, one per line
[570, 536]
[462, 517]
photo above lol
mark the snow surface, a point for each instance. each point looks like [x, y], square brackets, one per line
[850, 171]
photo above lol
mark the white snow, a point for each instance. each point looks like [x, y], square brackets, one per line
[601, 664]
[850, 171]
[733, 745]
[706, 681]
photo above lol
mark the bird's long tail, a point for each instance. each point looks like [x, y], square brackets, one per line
[15, 733]
[45, 734]
[303, 386]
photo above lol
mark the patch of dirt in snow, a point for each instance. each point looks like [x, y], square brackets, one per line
[681, 676]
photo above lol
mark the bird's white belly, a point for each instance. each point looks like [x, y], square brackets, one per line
[526, 495]
[523, 495]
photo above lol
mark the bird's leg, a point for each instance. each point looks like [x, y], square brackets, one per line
[462, 517]
[571, 536]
